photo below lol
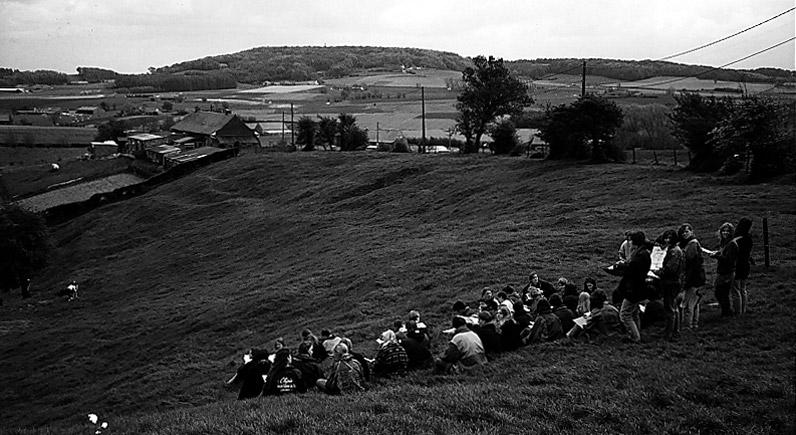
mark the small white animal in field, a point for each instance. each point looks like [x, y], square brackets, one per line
[54, 167]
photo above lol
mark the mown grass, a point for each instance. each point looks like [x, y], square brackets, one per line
[176, 283]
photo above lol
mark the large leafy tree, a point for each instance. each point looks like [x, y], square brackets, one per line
[327, 131]
[24, 245]
[307, 133]
[583, 129]
[488, 91]
[351, 136]
[694, 117]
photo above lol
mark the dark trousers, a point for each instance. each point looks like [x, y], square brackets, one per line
[723, 286]
[670, 310]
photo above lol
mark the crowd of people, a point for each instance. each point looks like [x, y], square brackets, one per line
[660, 280]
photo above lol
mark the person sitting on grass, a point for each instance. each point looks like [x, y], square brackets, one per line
[346, 376]
[564, 314]
[504, 301]
[488, 301]
[318, 351]
[537, 284]
[250, 374]
[602, 320]
[416, 346]
[391, 357]
[511, 331]
[546, 327]
[361, 359]
[283, 378]
[489, 333]
[307, 365]
[414, 316]
[465, 350]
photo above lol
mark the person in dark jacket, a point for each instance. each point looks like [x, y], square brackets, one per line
[536, 285]
[633, 285]
[283, 378]
[415, 346]
[546, 327]
[564, 314]
[743, 263]
[726, 257]
[360, 358]
[250, 374]
[694, 275]
[307, 365]
[670, 275]
[488, 333]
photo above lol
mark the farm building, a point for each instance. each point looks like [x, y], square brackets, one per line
[255, 127]
[158, 154]
[172, 160]
[138, 143]
[223, 130]
[187, 143]
[103, 149]
[90, 111]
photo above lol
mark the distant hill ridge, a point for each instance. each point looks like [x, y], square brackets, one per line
[309, 63]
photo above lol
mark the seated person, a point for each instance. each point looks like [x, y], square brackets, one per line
[584, 304]
[250, 374]
[603, 319]
[565, 315]
[346, 376]
[504, 301]
[363, 361]
[511, 331]
[414, 316]
[488, 301]
[465, 349]
[318, 351]
[283, 378]
[416, 346]
[307, 365]
[546, 327]
[462, 310]
[489, 333]
[329, 340]
[538, 284]
[532, 297]
[391, 357]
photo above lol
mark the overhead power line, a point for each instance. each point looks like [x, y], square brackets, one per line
[666, 82]
[727, 37]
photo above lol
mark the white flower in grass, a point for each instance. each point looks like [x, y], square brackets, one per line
[104, 425]
[92, 418]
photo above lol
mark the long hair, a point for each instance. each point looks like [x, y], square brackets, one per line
[723, 242]
[681, 231]
[674, 239]
[281, 360]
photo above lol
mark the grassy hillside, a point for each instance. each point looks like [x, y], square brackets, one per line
[175, 284]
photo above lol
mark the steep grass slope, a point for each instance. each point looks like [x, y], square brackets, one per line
[176, 283]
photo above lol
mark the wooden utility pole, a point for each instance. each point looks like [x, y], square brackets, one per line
[377, 135]
[765, 243]
[583, 81]
[423, 109]
[283, 126]
[292, 138]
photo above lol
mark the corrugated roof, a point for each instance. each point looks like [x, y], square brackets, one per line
[145, 137]
[205, 123]
[187, 156]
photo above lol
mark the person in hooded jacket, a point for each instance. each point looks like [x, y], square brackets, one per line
[565, 315]
[416, 348]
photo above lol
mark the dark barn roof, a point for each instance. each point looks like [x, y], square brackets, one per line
[204, 123]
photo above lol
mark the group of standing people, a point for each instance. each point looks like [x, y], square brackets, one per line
[681, 276]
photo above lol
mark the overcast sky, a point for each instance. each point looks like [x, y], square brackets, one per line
[131, 35]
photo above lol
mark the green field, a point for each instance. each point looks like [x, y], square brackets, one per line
[26, 180]
[176, 283]
[27, 135]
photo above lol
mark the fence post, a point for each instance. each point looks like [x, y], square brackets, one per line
[765, 242]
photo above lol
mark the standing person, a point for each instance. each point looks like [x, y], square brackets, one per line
[693, 276]
[670, 275]
[283, 378]
[742, 265]
[633, 285]
[725, 256]
[626, 248]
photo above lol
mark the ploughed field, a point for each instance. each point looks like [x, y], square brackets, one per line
[177, 283]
